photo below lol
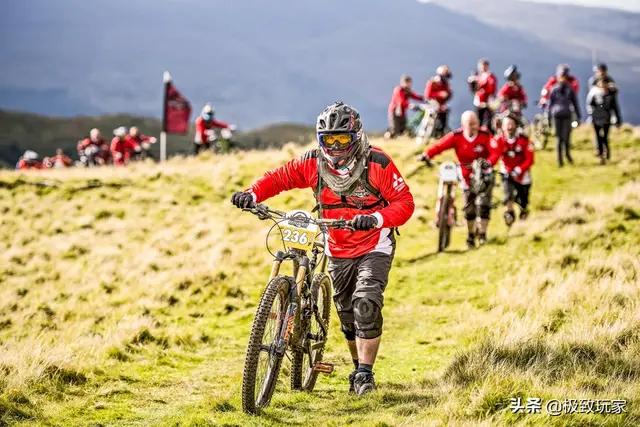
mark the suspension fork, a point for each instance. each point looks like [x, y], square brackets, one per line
[293, 311]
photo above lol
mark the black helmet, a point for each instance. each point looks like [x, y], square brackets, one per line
[340, 134]
[602, 67]
[512, 73]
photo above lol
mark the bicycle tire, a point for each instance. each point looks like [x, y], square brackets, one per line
[251, 404]
[444, 230]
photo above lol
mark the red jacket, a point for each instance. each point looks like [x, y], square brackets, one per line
[137, 140]
[383, 176]
[439, 91]
[486, 85]
[513, 91]
[87, 142]
[202, 128]
[516, 153]
[482, 146]
[121, 150]
[400, 101]
[546, 89]
[28, 164]
[57, 161]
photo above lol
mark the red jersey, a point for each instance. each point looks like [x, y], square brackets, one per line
[516, 154]
[203, 128]
[467, 150]
[138, 140]
[57, 161]
[100, 143]
[438, 90]
[28, 164]
[486, 85]
[513, 91]
[121, 150]
[383, 176]
[553, 80]
[400, 100]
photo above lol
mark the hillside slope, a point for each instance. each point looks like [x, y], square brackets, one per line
[126, 298]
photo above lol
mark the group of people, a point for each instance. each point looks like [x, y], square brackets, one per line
[94, 150]
[558, 99]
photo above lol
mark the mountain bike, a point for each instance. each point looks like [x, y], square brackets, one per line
[445, 204]
[292, 319]
[425, 122]
[541, 129]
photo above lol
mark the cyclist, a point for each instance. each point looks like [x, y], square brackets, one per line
[29, 160]
[516, 153]
[572, 81]
[206, 125]
[483, 85]
[563, 108]
[438, 90]
[512, 96]
[93, 149]
[122, 147]
[60, 160]
[351, 180]
[398, 106]
[136, 139]
[470, 142]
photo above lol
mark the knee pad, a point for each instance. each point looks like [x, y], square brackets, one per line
[346, 324]
[484, 211]
[469, 212]
[368, 318]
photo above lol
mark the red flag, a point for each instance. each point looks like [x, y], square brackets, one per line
[177, 110]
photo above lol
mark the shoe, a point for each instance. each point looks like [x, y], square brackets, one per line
[509, 218]
[387, 135]
[352, 377]
[524, 214]
[602, 160]
[471, 242]
[364, 383]
[570, 161]
[482, 239]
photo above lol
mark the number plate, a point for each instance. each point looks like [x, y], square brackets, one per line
[298, 235]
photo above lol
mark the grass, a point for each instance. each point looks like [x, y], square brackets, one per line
[126, 297]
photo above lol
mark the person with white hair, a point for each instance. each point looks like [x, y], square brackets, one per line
[471, 142]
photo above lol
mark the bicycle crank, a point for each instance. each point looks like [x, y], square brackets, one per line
[323, 367]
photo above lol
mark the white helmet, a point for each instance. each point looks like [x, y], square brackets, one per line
[207, 111]
[30, 155]
[120, 131]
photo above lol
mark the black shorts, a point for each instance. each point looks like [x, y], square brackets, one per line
[362, 277]
[397, 124]
[515, 192]
[477, 204]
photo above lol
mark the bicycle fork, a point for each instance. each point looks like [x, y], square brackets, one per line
[292, 310]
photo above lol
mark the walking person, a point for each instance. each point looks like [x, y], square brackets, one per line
[563, 104]
[602, 106]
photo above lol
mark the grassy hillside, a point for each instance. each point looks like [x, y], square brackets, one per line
[22, 131]
[127, 294]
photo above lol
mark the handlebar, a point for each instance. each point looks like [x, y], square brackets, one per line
[264, 212]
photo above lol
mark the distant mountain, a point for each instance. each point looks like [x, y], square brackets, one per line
[21, 131]
[263, 62]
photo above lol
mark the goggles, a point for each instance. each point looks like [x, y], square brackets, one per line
[336, 141]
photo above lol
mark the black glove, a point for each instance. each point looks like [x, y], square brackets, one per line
[365, 222]
[242, 199]
[424, 158]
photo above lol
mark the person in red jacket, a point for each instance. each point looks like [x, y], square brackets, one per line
[354, 181]
[561, 70]
[398, 106]
[144, 142]
[438, 90]
[470, 143]
[122, 148]
[206, 126]
[60, 160]
[483, 85]
[93, 150]
[29, 160]
[516, 152]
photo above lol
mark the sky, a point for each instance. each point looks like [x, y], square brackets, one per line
[631, 5]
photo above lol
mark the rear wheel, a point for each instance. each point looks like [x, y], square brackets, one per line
[311, 348]
[444, 228]
[265, 352]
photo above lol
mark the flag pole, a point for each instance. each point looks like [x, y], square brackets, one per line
[166, 79]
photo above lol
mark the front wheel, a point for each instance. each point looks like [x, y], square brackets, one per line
[265, 349]
[311, 348]
[444, 226]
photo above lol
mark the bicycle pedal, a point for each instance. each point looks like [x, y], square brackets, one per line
[323, 367]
